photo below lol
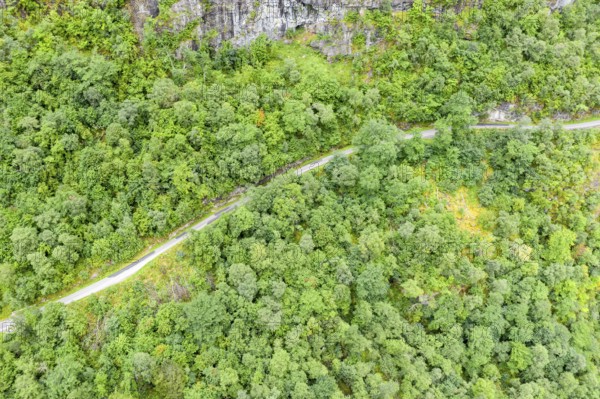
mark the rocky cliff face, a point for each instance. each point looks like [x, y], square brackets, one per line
[241, 21]
[557, 4]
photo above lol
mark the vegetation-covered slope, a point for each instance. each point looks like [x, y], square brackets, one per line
[105, 141]
[358, 281]
[546, 63]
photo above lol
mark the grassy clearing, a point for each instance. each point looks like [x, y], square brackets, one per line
[467, 210]
[309, 60]
[160, 275]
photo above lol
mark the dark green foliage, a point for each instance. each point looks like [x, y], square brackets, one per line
[504, 51]
[319, 289]
[104, 144]
[354, 281]
[109, 141]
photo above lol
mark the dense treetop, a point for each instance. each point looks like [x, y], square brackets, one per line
[358, 281]
[363, 279]
[104, 143]
[546, 63]
[107, 140]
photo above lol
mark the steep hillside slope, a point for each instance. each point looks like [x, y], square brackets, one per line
[244, 20]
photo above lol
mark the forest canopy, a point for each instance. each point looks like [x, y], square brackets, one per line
[108, 141]
[362, 281]
[465, 267]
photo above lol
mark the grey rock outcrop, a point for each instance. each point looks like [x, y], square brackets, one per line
[560, 4]
[505, 112]
[241, 21]
[140, 11]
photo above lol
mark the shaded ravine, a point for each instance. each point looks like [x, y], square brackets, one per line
[135, 266]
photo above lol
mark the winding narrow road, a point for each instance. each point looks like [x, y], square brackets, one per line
[137, 265]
